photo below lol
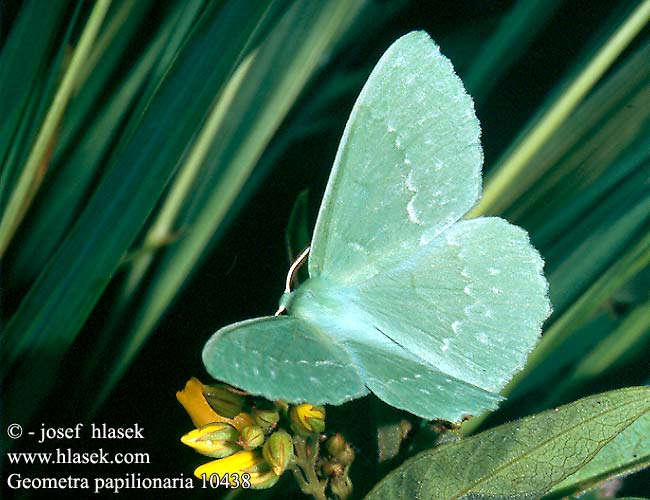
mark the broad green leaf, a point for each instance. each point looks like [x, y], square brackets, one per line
[426, 311]
[519, 460]
[628, 452]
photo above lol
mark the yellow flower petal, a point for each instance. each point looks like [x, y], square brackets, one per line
[192, 399]
[216, 440]
[307, 418]
[263, 480]
[201, 413]
[242, 420]
[240, 462]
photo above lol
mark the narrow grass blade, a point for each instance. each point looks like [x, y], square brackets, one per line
[510, 177]
[59, 302]
[515, 32]
[29, 178]
[22, 65]
[60, 200]
[627, 340]
[628, 265]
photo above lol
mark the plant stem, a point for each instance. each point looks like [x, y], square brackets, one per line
[307, 478]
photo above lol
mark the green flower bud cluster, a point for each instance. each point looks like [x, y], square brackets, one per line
[336, 466]
[278, 451]
[262, 439]
[244, 440]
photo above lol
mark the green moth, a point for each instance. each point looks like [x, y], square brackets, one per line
[431, 313]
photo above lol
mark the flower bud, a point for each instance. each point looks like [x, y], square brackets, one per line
[238, 463]
[216, 440]
[346, 456]
[266, 419]
[260, 475]
[278, 451]
[252, 436]
[263, 480]
[341, 487]
[242, 420]
[332, 468]
[335, 445]
[307, 419]
[224, 401]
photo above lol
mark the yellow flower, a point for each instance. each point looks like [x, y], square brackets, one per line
[192, 399]
[307, 419]
[251, 463]
[216, 440]
[242, 461]
[201, 413]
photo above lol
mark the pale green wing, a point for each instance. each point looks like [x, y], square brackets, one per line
[403, 381]
[431, 314]
[408, 166]
[469, 306]
[282, 358]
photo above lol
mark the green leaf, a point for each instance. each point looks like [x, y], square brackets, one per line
[519, 460]
[628, 452]
[513, 175]
[588, 249]
[62, 196]
[623, 342]
[514, 34]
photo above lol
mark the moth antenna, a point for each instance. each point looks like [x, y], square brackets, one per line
[293, 269]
